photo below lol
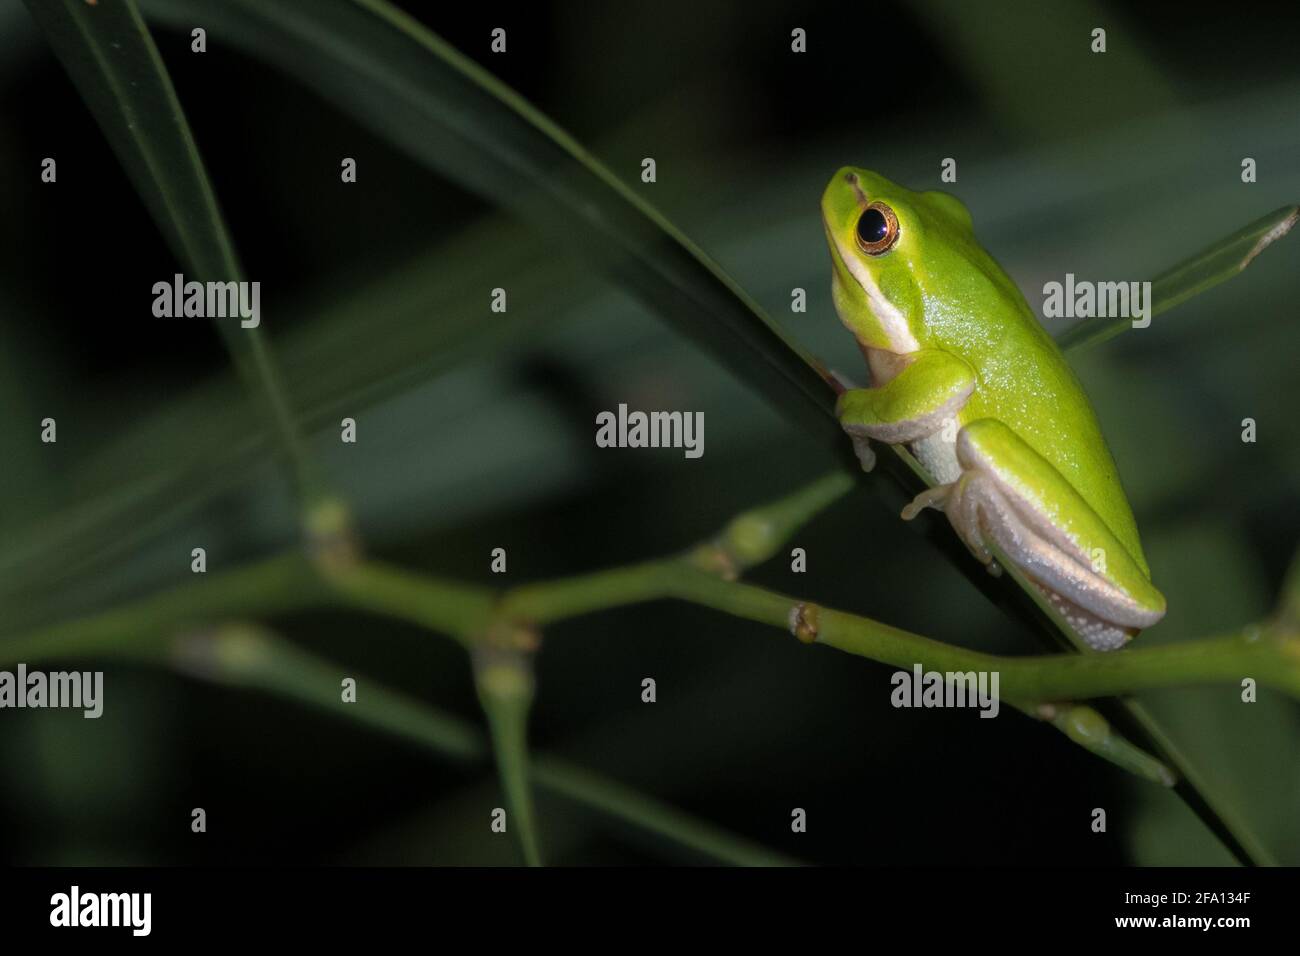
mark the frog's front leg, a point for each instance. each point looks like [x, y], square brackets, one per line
[1011, 496]
[912, 405]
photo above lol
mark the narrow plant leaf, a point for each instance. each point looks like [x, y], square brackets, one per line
[1216, 263]
[111, 57]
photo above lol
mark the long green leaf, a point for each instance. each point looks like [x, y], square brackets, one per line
[108, 51]
[1214, 264]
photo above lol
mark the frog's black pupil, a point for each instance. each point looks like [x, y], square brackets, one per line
[872, 226]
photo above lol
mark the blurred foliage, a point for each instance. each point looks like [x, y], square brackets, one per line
[475, 428]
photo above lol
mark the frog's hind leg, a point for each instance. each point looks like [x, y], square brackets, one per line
[1013, 498]
[980, 512]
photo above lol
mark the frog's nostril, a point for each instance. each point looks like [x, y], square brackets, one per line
[851, 179]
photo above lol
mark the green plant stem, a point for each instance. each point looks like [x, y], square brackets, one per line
[291, 582]
[504, 680]
[272, 586]
[452, 608]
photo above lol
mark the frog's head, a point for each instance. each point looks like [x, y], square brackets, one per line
[887, 245]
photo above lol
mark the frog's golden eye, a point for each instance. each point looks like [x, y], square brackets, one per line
[877, 229]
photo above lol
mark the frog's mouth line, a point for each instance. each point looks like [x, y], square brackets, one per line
[837, 256]
[830, 241]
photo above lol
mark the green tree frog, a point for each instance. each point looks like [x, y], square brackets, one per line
[964, 375]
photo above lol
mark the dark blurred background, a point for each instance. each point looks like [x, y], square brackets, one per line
[1108, 166]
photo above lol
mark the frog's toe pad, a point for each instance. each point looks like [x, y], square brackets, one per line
[934, 498]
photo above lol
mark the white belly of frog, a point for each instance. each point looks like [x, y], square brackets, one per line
[937, 454]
